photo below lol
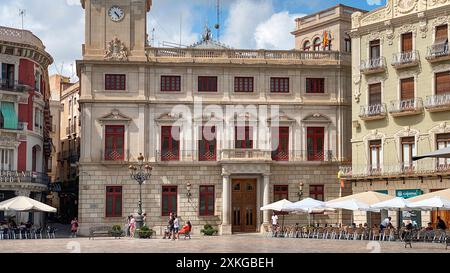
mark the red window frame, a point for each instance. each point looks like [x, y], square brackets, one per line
[281, 152]
[314, 134]
[279, 85]
[207, 194]
[113, 193]
[243, 84]
[170, 83]
[315, 85]
[317, 43]
[172, 151]
[167, 195]
[247, 142]
[115, 82]
[280, 192]
[207, 149]
[117, 135]
[207, 84]
[307, 45]
[317, 192]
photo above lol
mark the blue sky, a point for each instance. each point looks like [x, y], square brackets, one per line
[245, 23]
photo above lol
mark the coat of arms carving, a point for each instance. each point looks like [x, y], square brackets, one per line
[116, 51]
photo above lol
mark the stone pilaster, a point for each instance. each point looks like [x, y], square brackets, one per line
[225, 228]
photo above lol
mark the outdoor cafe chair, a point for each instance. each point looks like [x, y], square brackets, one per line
[375, 234]
[51, 233]
[328, 233]
[359, 233]
[319, 233]
[388, 233]
[350, 233]
[439, 236]
[37, 232]
[16, 233]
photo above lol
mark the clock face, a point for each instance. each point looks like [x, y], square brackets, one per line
[116, 13]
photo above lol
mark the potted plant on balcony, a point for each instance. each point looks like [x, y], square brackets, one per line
[208, 230]
[145, 233]
[116, 231]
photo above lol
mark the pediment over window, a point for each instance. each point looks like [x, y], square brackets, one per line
[282, 118]
[208, 117]
[320, 118]
[170, 117]
[245, 116]
[407, 132]
[115, 116]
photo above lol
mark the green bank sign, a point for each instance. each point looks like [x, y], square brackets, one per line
[408, 193]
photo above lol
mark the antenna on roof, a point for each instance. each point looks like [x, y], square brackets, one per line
[22, 13]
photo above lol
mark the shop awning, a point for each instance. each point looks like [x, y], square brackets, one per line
[10, 120]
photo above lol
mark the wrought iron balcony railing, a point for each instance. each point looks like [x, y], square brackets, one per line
[406, 107]
[437, 51]
[388, 170]
[13, 85]
[374, 65]
[373, 112]
[403, 59]
[438, 102]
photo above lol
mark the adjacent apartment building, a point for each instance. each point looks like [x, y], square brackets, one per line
[25, 143]
[401, 102]
[225, 130]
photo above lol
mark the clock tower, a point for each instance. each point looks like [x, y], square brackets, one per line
[115, 29]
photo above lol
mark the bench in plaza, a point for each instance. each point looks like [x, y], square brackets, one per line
[101, 231]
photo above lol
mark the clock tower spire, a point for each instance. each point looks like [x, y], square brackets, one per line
[115, 29]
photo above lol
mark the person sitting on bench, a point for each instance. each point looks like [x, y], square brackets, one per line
[186, 229]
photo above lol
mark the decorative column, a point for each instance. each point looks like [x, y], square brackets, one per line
[226, 206]
[266, 198]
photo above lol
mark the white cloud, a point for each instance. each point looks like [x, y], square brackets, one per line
[254, 24]
[244, 17]
[59, 24]
[374, 2]
[275, 33]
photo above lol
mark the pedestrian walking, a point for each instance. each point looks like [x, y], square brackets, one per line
[74, 228]
[132, 226]
[176, 227]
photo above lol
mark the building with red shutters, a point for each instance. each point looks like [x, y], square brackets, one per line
[25, 143]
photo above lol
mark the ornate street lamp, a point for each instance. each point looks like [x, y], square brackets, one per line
[140, 173]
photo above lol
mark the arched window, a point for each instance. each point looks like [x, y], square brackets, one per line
[307, 45]
[317, 43]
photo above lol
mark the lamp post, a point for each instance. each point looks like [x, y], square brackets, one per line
[140, 173]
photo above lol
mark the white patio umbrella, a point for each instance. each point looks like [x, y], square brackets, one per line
[309, 205]
[281, 205]
[25, 204]
[350, 204]
[396, 203]
[431, 203]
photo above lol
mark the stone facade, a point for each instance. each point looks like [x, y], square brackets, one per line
[423, 116]
[142, 108]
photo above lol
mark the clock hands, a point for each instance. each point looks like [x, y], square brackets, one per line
[116, 14]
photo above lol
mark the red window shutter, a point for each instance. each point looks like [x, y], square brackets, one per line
[407, 89]
[26, 73]
[375, 94]
[442, 83]
[407, 42]
[441, 33]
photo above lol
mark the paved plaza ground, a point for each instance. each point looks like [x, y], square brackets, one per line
[245, 243]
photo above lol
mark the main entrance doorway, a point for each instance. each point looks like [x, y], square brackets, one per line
[244, 205]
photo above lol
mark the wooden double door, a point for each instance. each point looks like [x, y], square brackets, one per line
[244, 205]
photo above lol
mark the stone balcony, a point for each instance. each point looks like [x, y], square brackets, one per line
[242, 56]
[438, 103]
[372, 66]
[405, 59]
[20, 36]
[438, 52]
[373, 112]
[409, 107]
[405, 169]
